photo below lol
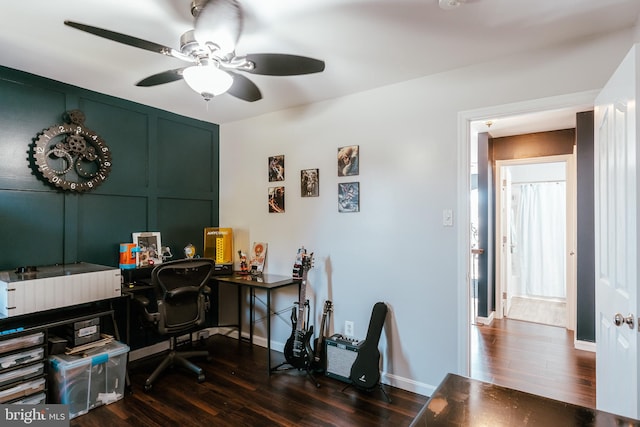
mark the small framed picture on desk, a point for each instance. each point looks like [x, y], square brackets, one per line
[150, 246]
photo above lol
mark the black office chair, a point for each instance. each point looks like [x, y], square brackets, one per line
[181, 303]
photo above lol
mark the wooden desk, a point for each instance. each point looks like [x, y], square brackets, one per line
[464, 402]
[265, 282]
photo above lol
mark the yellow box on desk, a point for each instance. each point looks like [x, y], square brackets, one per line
[218, 244]
[92, 379]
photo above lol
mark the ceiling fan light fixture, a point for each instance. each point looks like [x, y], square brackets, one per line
[207, 80]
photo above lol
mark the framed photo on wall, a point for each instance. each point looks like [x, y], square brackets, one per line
[276, 199]
[349, 160]
[276, 168]
[349, 197]
[150, 246]
[310, 182]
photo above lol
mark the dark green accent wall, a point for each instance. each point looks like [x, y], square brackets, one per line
[164, 177]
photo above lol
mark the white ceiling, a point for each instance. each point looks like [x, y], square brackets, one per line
[541, 121]
[365, 43]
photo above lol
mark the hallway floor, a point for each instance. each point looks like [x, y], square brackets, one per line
[534, 358]
[537, 310]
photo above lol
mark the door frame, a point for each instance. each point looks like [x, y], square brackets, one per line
[570, 264]
[582, 100]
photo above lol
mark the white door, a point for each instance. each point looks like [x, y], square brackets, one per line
[616, 241]
[504, 240]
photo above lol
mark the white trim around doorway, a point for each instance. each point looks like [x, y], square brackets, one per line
[570, 264]
[465, 118]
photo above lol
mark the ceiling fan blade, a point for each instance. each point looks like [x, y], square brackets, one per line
[280, 64]
[219, 22]
[162, 78]
[243, 88]
[129, 40]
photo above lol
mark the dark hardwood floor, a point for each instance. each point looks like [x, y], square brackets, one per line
[534, 358]
[239, 392]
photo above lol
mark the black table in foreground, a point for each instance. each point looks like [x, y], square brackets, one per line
[265, 282]
[464, 402]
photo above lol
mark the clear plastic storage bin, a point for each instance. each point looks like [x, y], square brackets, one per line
[21, 342]
[86, 382]
[38, 399]
[22, 358]
[21, 374]
[22, 390]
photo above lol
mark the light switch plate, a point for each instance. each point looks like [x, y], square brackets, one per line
[447, 218]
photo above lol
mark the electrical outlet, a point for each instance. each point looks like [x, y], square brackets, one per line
[348, 328]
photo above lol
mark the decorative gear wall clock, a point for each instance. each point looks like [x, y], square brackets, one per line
[72, 157]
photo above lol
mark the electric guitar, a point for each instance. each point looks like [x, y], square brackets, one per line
[297, 349]
[319, 357]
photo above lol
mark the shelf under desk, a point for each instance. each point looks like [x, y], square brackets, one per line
[265, 282]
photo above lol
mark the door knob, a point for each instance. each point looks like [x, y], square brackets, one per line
[619, 319]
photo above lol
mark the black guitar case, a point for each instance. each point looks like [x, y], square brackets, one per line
[365, 371]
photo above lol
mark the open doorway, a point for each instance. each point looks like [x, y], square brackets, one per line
[536, 223]
[473, 125]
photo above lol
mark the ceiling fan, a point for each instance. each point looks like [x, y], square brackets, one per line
[210, 47]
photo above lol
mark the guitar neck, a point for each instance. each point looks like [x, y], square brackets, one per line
[305, 263]
[301, 303]
[325, 313]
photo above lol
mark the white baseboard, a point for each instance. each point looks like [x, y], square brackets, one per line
[485, 320]
[584, 345]
[150, 350]
[385, 378]
[407, 384]
[159, 347]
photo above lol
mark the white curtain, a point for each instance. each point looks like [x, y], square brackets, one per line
[539, 239]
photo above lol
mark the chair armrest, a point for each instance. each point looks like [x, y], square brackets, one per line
[142, 300]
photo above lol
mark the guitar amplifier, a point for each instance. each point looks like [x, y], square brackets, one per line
[341, 352]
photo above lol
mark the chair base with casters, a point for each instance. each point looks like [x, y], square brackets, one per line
[181, 359]
[180, 309]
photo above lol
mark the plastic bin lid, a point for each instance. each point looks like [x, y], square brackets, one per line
[94, 356]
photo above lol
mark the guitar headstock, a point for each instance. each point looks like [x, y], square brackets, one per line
[307, 261]
[328, 306]
[303, 263]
